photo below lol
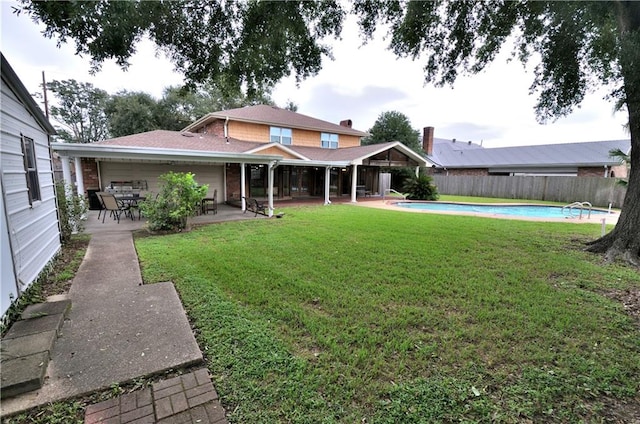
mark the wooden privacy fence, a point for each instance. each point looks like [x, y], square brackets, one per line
[598, 191]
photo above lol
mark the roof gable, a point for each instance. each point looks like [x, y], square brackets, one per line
[13, 81]
[274, 116]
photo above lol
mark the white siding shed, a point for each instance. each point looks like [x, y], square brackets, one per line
[30, 233]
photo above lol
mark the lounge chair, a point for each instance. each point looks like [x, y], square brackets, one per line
[253, 205]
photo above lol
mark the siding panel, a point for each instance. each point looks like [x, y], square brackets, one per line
[33, 232]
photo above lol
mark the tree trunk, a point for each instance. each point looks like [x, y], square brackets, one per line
[624, 240]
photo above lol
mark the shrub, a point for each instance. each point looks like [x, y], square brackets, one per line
[421, 188]
[72, 210]
[178, 199]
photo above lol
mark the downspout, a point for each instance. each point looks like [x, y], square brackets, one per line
[98, 166]
[226, 128]
[10, 238]
[606, 171]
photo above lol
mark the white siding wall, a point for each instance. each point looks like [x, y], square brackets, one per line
[127, 171]
[33, 231]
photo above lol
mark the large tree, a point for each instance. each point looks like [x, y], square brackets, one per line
[575, 45]
[131, 112]
[393, 126]
[79, 111]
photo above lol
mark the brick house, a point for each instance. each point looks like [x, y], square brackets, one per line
[586, 159]
[258, 151]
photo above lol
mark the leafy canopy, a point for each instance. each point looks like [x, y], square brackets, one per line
[79, 114]
[393, 126]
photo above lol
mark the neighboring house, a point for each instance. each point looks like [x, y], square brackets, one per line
[586, 159]
[29, 230]
[257, 151]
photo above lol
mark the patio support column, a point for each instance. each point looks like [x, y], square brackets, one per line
[327, 186]
[242, 187]
[272, 166]
[79, 177]
[66, 174]
[354, 182]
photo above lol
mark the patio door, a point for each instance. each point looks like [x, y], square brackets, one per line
[299, 181]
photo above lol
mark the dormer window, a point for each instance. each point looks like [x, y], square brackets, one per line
[280, 135]
[329, 141]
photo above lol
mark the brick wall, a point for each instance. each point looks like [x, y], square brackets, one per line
[474, 172]
[591, 172]
[215, 128]
[233, 181]
[89, 173]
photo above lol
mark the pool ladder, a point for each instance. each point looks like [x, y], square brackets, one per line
[389, 191]
[576, 205]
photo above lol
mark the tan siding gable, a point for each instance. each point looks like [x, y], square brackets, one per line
[260, 133]
[348, 141]
[249, 132]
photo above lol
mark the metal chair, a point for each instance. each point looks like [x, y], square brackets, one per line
[112, 205]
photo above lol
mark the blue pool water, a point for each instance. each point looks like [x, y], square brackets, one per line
[527, 211]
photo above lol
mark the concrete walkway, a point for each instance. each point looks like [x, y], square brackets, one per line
[117, 330]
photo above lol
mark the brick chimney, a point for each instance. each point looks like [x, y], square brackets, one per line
[427, 140]
[346, 123]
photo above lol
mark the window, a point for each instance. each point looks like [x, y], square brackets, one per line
[33, 183]
[280, 135]
[329, 141]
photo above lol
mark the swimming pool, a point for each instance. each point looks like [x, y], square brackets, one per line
[516, 210]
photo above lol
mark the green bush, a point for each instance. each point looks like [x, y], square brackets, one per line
[72, 210]
[421, 188]
[178, 199]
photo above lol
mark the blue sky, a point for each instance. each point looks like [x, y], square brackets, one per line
[493, 107]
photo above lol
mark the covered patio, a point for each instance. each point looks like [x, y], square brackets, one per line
[236, 169]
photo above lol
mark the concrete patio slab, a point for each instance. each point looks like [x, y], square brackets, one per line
[27, 345]
[41, 324]
[23, 374]
[48, 308]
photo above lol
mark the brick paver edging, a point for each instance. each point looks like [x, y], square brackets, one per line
[186, 399]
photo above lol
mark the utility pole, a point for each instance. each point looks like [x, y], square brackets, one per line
[46, 104]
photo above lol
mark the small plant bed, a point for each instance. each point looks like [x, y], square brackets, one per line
[344, 314]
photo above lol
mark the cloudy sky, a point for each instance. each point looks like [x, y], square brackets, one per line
[362, 82]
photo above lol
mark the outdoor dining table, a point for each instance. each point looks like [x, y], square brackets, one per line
[131, 201]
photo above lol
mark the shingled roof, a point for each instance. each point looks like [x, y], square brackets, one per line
[450, 154]
[273, 115]
[187, 141]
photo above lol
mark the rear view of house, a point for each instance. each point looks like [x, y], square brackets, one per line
[29, 230]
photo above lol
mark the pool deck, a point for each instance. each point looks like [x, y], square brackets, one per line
[390, 204]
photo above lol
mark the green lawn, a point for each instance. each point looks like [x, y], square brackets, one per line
[354, 315]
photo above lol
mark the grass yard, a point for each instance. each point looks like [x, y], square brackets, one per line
[347, 314]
